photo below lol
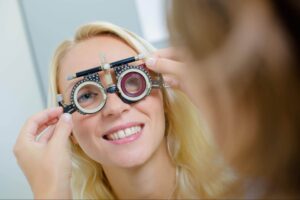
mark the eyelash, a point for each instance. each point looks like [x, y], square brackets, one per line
[84, 96]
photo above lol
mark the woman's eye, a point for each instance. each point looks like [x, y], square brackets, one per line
[85, 97]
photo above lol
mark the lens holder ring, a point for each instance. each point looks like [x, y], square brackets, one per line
[89, 79]
[121, 71]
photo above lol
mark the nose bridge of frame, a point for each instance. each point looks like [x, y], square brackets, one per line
[113, 99]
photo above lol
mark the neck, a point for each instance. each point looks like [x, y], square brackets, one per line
[154, 179]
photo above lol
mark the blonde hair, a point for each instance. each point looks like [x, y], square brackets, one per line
[189, 148]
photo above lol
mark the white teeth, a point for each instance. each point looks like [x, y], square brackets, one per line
[124, 133]
[133, 129]
[121, 134]
[115, 137]
[128, 131]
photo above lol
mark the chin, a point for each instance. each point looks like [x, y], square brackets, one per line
[132, 161]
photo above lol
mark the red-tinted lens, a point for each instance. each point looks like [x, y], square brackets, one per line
[133, 84]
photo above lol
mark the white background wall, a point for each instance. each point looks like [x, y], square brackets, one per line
[19, 97]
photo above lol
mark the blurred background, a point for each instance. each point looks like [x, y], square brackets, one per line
[30, 30]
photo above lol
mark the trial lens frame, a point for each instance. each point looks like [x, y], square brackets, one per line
[119, 66]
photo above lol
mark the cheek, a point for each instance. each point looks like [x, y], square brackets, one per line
[82, 127]
[153, 107]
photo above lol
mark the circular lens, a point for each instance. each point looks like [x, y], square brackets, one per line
[134, 84]
[89, 97]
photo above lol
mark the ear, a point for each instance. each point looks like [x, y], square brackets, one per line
[73, 139]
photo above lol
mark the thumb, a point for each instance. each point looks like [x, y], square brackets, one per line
[62, 130]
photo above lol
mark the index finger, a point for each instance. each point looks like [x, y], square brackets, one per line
[33, 124]
[165, 66]
[168, 53]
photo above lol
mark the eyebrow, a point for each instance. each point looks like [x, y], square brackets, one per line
[74, 81]
[70, 85]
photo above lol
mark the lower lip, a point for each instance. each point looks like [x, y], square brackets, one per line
[127, 139]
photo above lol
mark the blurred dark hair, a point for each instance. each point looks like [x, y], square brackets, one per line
[261, 79]
[288, 12]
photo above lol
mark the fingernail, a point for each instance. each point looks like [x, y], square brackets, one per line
[151, 61]
[67, 117]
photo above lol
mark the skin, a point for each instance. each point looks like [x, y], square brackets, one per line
[138, 169]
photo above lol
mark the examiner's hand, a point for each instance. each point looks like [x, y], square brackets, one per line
[46, 163]
[175, 72]
[165, 62]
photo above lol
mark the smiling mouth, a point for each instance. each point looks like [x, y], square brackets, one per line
[124, 133]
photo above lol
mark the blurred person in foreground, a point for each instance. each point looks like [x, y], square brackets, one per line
[239, 63]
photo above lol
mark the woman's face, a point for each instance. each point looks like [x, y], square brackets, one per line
[143, 121]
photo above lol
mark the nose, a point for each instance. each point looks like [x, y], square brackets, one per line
[114, 106]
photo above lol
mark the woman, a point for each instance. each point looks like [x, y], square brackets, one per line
[164, 157]
[242, 71]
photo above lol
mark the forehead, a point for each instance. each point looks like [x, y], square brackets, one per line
[86, 54]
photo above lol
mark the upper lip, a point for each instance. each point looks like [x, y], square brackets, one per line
[121, 127]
